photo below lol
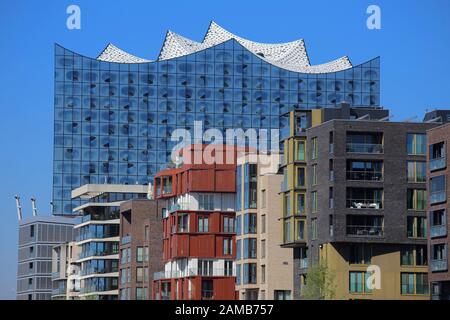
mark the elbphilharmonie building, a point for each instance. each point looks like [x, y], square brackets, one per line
[114, 114]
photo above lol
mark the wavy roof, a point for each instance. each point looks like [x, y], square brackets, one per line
[290, 55]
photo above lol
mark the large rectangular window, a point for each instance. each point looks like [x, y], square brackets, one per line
[437, 189]
[414, 283]
[358, 282]
[413, 255]
[300, 177]
[206, 201]
[250, 223]
[416, 227]
[365, 198]
[437, 156]
[250, 185]
[228, 224]
[203, 223]
[417, 171]
[360, 254]
[362, 225]
[250, 248]
[249, 273]
[364, 170]
[314, 228]
[416, 199]
[416, 144]
[365, 142]
[227, 246]
[300, 203]
[314, 202]
[300, 154]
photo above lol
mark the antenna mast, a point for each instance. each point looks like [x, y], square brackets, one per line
[19, 208]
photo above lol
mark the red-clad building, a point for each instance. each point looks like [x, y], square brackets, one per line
[198, 228]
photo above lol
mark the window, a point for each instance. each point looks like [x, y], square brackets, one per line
[128, 255]
[287, 205]
[263, 274]
[314, 228]
[363, 225]
[263, 249]
[250, 223]
[206, 202]
[416, 144]
[416, 199]
[287, 231]
[361, 142]
[413, 255]
[438, 218]
[238, 249]
[250, 187]
[207, 289]
[140, 292]
[228, 224]
[314, 202]
[282, 295]
[263, 223]
[238, 188]
[146, 254]
[203, 224]
[238, 274]
[249, 273]
[437, 189]
[263, 198]
[123, 256]
[439, 251]
[300, 177]
[314, 149]
[238, 225]
[300, 203]
[365, 198]
[330, 198]
[358, 282]
[167, 185]
[227, 246]
[30, 265]
[360, 254]
[146, 233]
[364, 170]
[250, 248]
[314, 175]
[31, 231]
[139, 254]
[300, 154]
[331, 170]
[205, 267]
[300, 225]
[228, 271]
[414, 283]
[417, 227]
[437, 156]
[417, 171]
[331, 142]
[139, 274]
[183, 223]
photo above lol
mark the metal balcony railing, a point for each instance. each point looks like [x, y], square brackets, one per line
[364, 175]
[364, 204]
[373, 231]
[364, 148]
[438, 231]
[437, 197]
[214, 272]
[438, 163]
[439, 265]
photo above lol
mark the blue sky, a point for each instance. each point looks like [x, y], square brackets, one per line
[413, 44]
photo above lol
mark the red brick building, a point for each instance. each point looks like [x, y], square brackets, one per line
[198, 231]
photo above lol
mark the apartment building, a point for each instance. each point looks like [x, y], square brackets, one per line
[141, 238]
[296, 176]
[37, 236]
[438, 177]
[264, 271]
[366, 207]
[65, 272]
[98, 237]
[198, 230]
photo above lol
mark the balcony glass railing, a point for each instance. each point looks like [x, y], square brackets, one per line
[364, 204]
[373, 231]
[365, 175]
[436, 197]
[214, 272]
[438, 163]
[439, 265]
[438, 231]
[364, 148]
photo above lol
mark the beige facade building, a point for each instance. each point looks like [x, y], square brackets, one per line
[259, 233]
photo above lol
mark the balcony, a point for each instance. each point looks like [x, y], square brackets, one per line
[439, 265]
[192, 272]
[365, 175]
[437, 197]
[207, 294]
[438, 231]
[364, 231]
[438, 163]
[365, 148]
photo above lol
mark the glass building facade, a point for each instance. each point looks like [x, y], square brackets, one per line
[113, 121]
